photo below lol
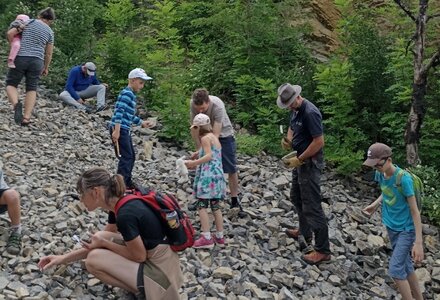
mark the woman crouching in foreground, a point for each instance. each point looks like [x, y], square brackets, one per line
[131, 259]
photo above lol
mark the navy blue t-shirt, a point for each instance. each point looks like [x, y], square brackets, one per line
[306, 124]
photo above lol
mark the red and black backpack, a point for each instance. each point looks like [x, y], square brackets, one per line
[179, 237]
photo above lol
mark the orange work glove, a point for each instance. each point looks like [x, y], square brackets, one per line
[286, 144]
[293, 162]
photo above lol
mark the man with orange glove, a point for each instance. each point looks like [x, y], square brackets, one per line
[305, 136]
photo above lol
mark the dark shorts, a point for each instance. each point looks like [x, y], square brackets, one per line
[229, 159]
[3, 208]
[205, 203]
[29, 67]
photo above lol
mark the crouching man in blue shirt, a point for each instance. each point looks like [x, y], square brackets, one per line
[83, 84]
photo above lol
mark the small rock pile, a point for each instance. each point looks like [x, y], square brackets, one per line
[260, 262]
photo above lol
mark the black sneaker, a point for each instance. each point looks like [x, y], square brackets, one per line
[101, 108]
[241, 213]
[88, 109]
[192, 206]
[18, 113]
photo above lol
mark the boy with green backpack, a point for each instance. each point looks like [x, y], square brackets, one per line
[401, 217]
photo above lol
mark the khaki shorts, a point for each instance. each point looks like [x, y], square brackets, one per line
[160, 276]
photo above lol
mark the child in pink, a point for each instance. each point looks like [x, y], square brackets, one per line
[19, 23]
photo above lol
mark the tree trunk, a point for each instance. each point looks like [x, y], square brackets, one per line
[414, 122]
[417, 111]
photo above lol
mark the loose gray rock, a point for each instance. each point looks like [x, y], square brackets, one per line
[43, 161]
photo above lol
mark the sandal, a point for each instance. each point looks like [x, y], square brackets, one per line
[18, 113]
[25, 122]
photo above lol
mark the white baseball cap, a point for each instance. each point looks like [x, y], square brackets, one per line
[200, 120]
[138, 73]
[90, 68]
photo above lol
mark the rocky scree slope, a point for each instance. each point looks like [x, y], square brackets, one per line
[260, 262]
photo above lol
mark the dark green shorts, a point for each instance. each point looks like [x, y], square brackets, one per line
[205, 203]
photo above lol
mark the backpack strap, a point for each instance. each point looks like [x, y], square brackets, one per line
[124, 200]
[399, 179]
[128, 198]
[399, 182]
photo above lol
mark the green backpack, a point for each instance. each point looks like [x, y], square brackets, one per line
[417, 184]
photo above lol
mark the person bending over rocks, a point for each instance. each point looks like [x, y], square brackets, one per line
[132, 259]
[214, 108]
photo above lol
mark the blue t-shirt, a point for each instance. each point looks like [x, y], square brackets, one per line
[306, 124]
[396, 213]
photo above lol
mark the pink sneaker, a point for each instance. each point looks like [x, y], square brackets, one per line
[203, 243]
[219, 241]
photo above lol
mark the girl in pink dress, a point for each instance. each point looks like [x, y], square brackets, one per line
[19, 23]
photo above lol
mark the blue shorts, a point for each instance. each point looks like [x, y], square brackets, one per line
[401, 264]
[229, 159]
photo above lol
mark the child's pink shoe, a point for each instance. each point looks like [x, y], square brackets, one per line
[219, 241]
[203, 243]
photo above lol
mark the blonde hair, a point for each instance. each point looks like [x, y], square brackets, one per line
[204, 129]
[113, 185]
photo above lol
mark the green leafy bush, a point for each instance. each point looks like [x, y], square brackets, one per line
[345, 141]
[249, 144]
[431, 200]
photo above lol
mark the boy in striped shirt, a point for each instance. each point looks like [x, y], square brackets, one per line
[123, 117]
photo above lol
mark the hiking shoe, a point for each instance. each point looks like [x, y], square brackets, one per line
[241, 213]
[13, 245]
[18, 113]
[203, 243]
[219, 241]
[315, 257]
[193, 206]
[86, 109]
[101, 108]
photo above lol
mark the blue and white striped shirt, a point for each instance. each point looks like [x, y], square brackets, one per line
[36, 35]
[125, 108]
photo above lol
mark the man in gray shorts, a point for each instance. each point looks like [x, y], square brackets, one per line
[32, 60]
[10, 202]
[202, 102]
[81, 84]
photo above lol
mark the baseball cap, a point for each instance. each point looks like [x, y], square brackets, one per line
[138, 73]
[90, 68]
[200, 120]
[376, 153]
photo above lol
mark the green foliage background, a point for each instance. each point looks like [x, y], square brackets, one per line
[242, 51]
